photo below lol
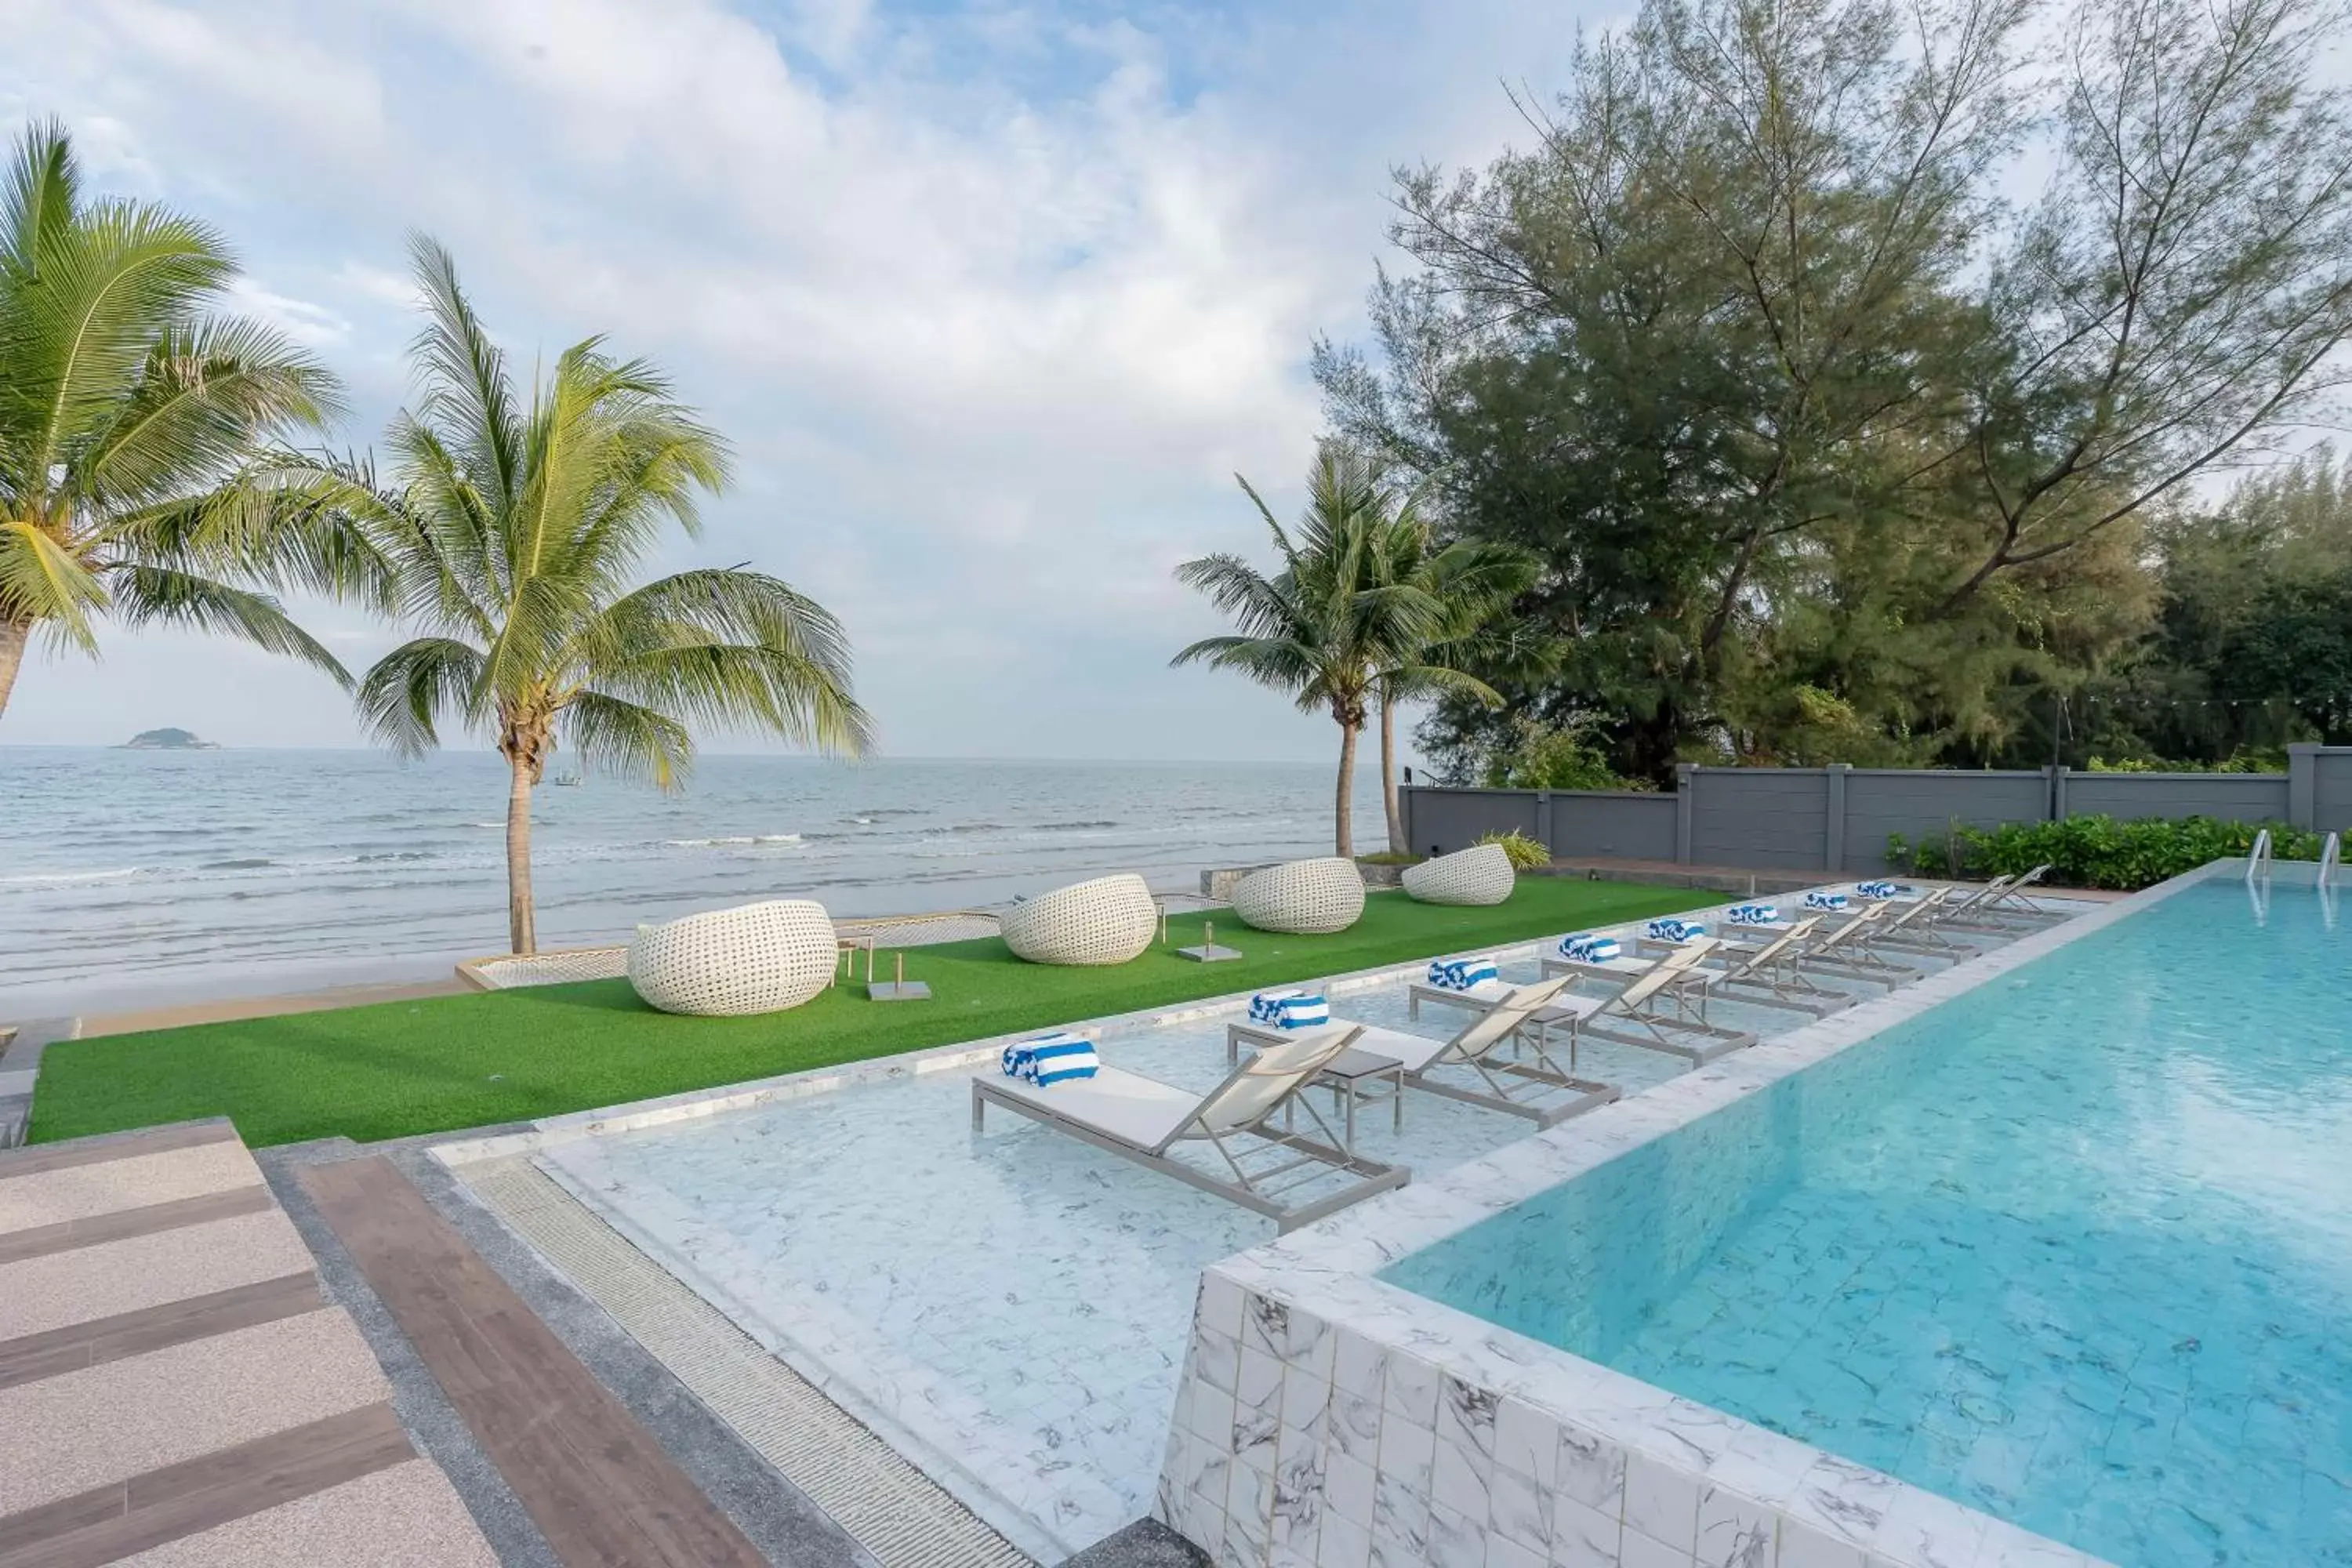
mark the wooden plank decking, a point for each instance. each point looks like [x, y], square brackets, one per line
[599, 1487]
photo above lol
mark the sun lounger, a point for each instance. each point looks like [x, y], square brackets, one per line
[1266, 1167]
[1770, 976]
[1528, 1084]
[1679, 1031]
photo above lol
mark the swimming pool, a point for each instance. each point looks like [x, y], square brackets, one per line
[2073, 1248]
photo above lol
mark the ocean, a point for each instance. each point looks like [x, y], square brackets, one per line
[133, 879]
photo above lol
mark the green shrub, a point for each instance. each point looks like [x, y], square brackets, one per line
[2094, 851]
[1525, 853]
[1555, 756]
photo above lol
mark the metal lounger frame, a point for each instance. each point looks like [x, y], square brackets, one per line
[1260, 1190]
[1530, 1033]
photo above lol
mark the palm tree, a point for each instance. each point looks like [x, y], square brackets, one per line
[1342, 609]
[1471, 583]
[508, 538]
[126, 410]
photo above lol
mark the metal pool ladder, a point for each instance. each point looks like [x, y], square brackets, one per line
[2330, 854]
[2258, 859]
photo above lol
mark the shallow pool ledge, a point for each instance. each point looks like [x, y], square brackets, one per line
[1326, 1417]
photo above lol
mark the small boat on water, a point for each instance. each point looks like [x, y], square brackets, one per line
[569, 780]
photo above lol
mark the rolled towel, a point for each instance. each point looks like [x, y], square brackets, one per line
[1462, 973]
[1752, 914]
[1880, 889]
[1833, 903]
[1059, 1058]
[1590, 947]
[1670, 929]
[1290, 1009]
[1016, 1061]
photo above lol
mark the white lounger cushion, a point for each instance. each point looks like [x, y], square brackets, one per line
[1134, 1110]
[1494, 992]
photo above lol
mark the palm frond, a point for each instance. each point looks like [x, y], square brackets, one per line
[122, 276]
[731, 648]
[156, 596]
[209, 396]
[38, 197]
[40, 579]
[629, 739]
[403, 694]
[462, 375]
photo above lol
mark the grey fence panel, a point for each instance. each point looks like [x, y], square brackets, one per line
[1442, 820]
[1914, 803]
[1614, 823]
[2331, 791]
[2230, 797]
[1782, 819]
[1759, 818]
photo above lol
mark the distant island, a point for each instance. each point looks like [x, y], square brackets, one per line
[168, 740]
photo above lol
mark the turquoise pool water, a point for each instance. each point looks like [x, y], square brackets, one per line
[2075, 1249]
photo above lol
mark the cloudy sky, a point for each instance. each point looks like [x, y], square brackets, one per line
[993, 299]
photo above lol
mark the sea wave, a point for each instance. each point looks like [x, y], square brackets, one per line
[733, 841]
[253, 864]
[68, 878]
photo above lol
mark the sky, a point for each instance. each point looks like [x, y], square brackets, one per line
[992, 299]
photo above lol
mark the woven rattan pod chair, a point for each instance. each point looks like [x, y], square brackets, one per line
[760, 958]
[1479, 875]
[1107, 921]
[1306, 897]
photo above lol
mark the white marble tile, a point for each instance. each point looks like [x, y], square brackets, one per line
[1505, 1553]
[1408, 1454]
[1637, 1549]
[1591, 1471]
[1804, 1546]
[1343, 1543]
[1455, 1539]
[1409, 1389]
[1520, 1508]
[1660, 1501]
[1457, 1484]
[1527, 1441]
[1583, 1537]
[1734, 1532]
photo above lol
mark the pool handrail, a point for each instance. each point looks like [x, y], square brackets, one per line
[2258, 859]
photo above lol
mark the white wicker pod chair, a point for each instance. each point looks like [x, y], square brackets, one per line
[1107, 921]
[1479, 875]
[758, 958]
[1303, 897]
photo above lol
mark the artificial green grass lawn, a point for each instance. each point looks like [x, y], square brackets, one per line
[395, 1069]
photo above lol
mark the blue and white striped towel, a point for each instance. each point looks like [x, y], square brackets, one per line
[1290, 1009]
[1672, 930]
[1833, 903]
[1462, 973]
[1752, 914]
[1590, 947]
[1058, 1058]
[1881, 890]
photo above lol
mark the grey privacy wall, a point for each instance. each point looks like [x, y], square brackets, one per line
[1838, 818]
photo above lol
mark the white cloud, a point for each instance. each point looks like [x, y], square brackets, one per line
[311, 325]
[991, 300]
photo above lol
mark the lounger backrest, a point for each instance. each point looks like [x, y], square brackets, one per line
[1916, 910]
[1777, 946]
[1500, 1021]
[1863, 918]
[1659, 976]
[1992, 890]
[1269, 1077]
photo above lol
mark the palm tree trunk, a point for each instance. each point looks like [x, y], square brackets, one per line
[1389, 801]
[13, 639]
[521, 927]
[1344, 816]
